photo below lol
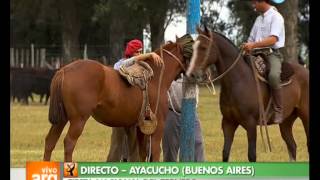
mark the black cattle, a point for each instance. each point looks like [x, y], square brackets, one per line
[20, 84]
[25, 81]
[42, 82]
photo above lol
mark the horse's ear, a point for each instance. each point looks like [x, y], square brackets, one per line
[206, 29]
[199, 30]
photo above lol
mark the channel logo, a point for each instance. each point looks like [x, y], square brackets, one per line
[70, 169]
[43, 170]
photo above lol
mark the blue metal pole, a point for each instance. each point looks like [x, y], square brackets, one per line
[188, 111]
[193, 16]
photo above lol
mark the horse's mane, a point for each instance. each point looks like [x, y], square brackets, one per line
[227, 39]
[186, 43]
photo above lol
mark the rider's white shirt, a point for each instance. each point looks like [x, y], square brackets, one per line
[267, 24]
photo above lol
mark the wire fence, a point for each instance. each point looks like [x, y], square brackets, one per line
[38, 56]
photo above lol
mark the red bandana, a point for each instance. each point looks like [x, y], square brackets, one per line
[132, 47]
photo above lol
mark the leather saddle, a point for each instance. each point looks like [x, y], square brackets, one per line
[139, 74]
[262, 66]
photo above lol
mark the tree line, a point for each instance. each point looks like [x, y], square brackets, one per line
[106, 25]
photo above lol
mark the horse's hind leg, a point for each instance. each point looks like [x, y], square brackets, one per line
[52, 138]
[229, 127]
[303, 113]
[287, 136]
[303, 109]
[74, 131]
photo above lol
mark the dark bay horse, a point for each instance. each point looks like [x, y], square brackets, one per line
[87, 88]
[238, 98]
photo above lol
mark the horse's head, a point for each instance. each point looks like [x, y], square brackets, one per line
[205, 53]
[180, 51]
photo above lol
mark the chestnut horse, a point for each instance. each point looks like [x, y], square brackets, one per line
[238, 98]
[87, 88]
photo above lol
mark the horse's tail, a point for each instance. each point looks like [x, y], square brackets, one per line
[57, 111]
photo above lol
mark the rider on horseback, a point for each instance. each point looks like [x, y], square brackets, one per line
[268, 36]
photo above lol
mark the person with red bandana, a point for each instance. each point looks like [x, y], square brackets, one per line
[124, 146]
[133, 53]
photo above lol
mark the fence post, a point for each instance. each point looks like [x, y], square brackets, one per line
[27, 58]
[42, 56]
[85, 55]
[22, 64]
[52, 62]
[11, 57]
[16, 64]
[104, 60]
[57, 63]
[32, 55]
[37, 58]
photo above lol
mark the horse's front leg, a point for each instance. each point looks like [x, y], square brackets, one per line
[252, 139]
[229, 127]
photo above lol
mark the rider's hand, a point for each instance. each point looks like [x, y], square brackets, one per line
[248, 46]
[156, 59]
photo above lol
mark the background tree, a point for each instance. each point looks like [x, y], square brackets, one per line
[290, 12]
[211, 16]
[295, 13]
[126, 20]
[106, 25]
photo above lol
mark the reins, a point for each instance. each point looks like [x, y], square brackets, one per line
[241, 53]
[159, 86]
[174, 57]
[262, 112]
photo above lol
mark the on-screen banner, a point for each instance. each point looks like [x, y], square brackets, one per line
[185, 170]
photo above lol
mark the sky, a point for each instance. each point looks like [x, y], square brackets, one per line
[180, 28]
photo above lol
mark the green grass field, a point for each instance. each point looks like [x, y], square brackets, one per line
[29, 126]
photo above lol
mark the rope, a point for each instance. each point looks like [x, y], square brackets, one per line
[149, 156]
[158, 99]
[232, 65]
[262, 120]
[265, 125]
[213, 91]
[174, 57]
[160, 81]
[241, 53]
[174, 110]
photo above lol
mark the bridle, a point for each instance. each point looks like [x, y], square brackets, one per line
[159, 85]
[208, 50]
[173, 56]
[230, 67]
